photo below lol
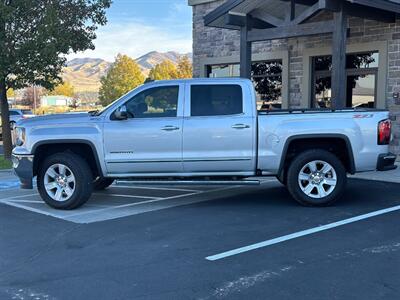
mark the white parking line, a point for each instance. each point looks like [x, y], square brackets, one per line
[133, 204]
[95, 213]
[153, 188]
[20, 196]
[151, 201]
[301, 234]
[25, 201]
[128, 196]
[29, 208]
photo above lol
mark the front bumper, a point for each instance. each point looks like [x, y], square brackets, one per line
[23, 168]
[386, 162]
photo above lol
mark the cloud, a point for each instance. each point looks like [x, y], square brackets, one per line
[138, 37]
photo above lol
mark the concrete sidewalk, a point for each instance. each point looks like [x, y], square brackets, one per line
[388, 176]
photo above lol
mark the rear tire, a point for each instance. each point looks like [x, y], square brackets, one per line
[316, 178]
[65, 181]
[102, 183]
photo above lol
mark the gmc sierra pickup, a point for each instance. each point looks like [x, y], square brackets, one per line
[201, 131]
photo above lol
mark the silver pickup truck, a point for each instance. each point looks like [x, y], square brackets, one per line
[201, 131]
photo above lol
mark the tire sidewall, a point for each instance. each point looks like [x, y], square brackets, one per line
[297, 165]
[102, 183]
[83, 185]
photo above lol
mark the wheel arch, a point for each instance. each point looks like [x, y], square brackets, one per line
[328, 142]
[43, 148]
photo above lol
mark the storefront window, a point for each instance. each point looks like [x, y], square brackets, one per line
[361, 82]
[267, 79]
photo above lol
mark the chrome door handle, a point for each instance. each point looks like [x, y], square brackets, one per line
[170, 128]
[240, 126]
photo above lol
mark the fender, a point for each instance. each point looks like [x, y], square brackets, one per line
[343, 137]
[72, 141]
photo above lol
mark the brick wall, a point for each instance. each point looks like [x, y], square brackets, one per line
[214, 42]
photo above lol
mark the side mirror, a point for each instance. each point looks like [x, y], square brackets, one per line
[121, 113]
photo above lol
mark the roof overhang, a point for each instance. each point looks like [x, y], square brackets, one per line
[264, 14]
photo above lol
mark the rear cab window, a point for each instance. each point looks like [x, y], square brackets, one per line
[216, 100]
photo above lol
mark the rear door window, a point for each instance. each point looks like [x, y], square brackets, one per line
[216, 100]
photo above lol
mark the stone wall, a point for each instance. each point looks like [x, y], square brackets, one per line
[214, 42]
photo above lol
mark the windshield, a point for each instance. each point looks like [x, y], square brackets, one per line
[26, 112]
[98, 113]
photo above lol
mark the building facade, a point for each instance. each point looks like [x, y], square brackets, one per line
[296, 72]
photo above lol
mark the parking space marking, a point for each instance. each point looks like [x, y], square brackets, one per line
[32, 209]
[20, 196]
[98, 212]
[153, 188]
[134, 204]
[127, 196]
[26, 201]
[301, 234]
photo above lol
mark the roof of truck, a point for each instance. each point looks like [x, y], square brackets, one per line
[191, 80]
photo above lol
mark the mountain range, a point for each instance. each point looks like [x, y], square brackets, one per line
[85, 73]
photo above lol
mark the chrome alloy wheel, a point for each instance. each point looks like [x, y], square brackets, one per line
[317, 179]
[59, 182]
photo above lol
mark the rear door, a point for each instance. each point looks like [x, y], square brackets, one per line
[219, 129]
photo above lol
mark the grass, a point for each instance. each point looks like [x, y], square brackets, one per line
[5, 164]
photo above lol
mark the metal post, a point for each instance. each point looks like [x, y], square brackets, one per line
[339, 59]
[34, 99]
[245, 52]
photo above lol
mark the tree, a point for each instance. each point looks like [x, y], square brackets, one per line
[35, 36]
[31, 96]
[164, 71]
[123, 76]
[185, 68]
[64, 89]
[10, 93]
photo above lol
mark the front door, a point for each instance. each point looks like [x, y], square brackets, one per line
[150, 141]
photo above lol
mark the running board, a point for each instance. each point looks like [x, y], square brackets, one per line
[189, 182]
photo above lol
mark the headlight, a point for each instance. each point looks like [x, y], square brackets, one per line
[20, 135]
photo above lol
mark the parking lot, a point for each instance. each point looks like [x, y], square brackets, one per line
[120, 200]
[201, 242]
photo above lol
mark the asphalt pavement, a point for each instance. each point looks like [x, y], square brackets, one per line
[162, 253]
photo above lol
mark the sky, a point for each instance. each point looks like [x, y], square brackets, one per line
[136, 27]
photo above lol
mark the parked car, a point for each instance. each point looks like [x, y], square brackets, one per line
[200, 131]
[15, 116]
[18, 114]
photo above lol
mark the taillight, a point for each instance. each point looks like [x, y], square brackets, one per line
[384, 132]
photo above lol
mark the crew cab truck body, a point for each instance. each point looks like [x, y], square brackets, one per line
[196, 130]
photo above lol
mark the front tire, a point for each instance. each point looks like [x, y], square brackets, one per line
[65, 181]
[101, 184]
[316, 178]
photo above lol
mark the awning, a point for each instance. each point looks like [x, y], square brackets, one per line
[273, 13]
